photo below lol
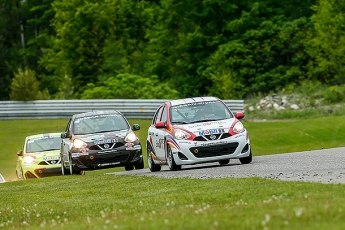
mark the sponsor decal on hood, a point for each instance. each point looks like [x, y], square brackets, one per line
[109, 137]
[207, 128]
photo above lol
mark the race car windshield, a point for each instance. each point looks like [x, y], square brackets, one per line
[199, 111]
[100, 123]
[43, 144]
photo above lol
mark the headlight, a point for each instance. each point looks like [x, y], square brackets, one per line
[77, 143]
[131, 137]
[29, 160]
[238, 127]
[180, 134]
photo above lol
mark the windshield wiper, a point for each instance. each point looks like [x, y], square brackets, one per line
[179, 122]
[205, 120]
[50, 149]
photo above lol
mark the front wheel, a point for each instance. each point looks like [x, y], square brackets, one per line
[248, 159]
[139, 165]
[224, 162]
[72, 170]
[20, 176]
[152, 165]
[129, 167]
[171, 162]
[63, 169]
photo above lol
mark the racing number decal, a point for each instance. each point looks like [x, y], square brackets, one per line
[160, 143]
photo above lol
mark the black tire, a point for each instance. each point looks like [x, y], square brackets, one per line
[72, 170]
[152, 165]
[248, 159]
[171, 162]
[129, 167]
[224, 162]
[70, 165]
[63, 169]
[139, 165]
[18, 177]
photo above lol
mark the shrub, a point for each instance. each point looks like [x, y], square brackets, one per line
[129, 86]
[25, 87]
[334, 94]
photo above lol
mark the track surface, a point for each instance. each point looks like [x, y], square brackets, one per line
[324, 166]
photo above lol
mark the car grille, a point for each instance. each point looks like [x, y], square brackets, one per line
[104, 160]
[212, 137]
[48, 172]
[106, 146]
[214, 150]
[53, 162]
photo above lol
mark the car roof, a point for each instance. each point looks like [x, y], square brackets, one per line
[35, 136]
[96, 112]
[192, 100]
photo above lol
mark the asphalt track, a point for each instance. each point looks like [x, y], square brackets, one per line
[323, 166]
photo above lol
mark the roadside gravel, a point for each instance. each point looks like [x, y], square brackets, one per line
[323, 166]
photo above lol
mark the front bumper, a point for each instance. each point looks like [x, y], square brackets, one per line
[38, 172]
[196, 152]
[106, 159]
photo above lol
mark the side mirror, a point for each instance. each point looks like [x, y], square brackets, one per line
[160, 124]
[239, 115]
[20, 153]
[63, 135]
[136, 127]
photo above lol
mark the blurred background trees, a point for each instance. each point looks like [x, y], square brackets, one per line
[169, 49]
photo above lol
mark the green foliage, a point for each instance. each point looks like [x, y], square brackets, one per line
[223, 85]
[327, 42]
[25, 87]
[129, 86]
[66, 88]
[10, 58]
[334, 94]
[231, 50]
[81, 30]
[307, 87]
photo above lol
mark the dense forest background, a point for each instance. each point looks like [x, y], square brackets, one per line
[79, 49]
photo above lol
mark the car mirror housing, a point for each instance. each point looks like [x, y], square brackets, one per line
[160, 124]
[63, 135]
[239, 115]
[136, 127]
[20, 153]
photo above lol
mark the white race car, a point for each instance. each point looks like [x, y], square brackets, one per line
[196, 130]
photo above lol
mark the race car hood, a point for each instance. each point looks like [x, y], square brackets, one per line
[43, 154]
[46, 155]
[103, 137]
[210, 126]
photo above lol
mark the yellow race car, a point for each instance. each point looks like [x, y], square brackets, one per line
[40, 157]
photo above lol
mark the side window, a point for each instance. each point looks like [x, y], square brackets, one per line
[164, 114]
[68, 128]
[157, 115]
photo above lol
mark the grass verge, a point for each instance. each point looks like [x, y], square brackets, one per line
[99, 201]
[129, 202]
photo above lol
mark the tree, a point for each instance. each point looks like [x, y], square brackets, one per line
[10, 59]
[128, 86]
[25, 87]
[82, 27]
[327, 42]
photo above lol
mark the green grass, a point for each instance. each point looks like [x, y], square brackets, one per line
[296, 135]
[129, 202]
[99, 201]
